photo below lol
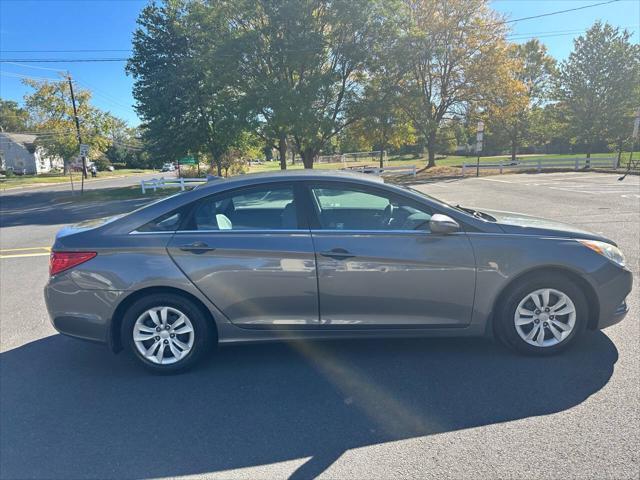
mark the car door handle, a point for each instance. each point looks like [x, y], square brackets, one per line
[196, 247]
[337, 254]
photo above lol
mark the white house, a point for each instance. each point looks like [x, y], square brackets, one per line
[18, 152]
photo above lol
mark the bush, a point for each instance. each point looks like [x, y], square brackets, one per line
[192, 172]
[102, 163]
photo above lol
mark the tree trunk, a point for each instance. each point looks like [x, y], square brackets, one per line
[219, 168]
[282, 151]
[514, 149]
[588, 162]
[308, 156]
[431, 149]
[382, 158]
[619, 153]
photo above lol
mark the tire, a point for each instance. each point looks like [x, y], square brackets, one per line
[179, 332]
[542, 332]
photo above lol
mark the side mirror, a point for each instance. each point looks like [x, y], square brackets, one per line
[442, 224]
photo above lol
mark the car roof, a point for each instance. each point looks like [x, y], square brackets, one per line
[306, 174]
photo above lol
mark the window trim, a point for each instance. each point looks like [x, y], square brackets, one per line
[314, 221]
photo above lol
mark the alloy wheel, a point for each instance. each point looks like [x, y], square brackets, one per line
[545, 317]
[163, 335]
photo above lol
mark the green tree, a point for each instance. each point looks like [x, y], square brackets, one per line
[598, 86]
[384, 124]
[301, 63]
[454, 55]
[528, 88]
[185, 98]
[51, 111]
[12, 117]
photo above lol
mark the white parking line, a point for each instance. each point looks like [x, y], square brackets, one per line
[495, 180]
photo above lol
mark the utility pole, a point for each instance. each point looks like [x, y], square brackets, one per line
[634, 136]
[75, 116]
[479, 138]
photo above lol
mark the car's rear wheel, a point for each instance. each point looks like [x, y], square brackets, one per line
[542, 314]
[167, 333]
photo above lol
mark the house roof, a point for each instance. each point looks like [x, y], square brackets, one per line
[23, 138]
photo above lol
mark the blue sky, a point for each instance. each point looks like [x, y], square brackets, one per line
[108, 24]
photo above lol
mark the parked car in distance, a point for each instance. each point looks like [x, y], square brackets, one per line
[168, 167]
[325, 255]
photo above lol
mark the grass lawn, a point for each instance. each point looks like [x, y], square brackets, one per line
[449, 161]
[23, 180]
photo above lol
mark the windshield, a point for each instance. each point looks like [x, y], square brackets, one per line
[468, 211]
[425, 195]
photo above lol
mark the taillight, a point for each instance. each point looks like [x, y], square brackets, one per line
[61, 261]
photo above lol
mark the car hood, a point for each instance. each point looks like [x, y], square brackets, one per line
[518, 223]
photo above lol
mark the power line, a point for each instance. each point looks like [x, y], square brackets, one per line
[87, 60]
[130, 50]
[104, 95]
[558, 31]
[20, 75]
[557, 12]
[61, 60]
[37, 68]
[68, 51]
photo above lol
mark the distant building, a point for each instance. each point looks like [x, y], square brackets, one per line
[18, 152]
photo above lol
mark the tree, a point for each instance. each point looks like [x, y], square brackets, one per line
[126, 147]
[51, 111]
[384, 124]
[12, 117]
[301, 64]
[527, 89]
[453, 55]
[185, 98]
[597, 85]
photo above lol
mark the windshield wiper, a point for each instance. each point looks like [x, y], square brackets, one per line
[476, 213]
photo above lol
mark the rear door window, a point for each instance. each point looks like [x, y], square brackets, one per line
[258, 208]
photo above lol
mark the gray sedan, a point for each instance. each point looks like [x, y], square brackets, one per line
[311, 255]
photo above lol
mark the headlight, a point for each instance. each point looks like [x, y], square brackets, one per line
[606, 249]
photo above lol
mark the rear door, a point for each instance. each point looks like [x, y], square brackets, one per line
[378, 264]
[249, 253]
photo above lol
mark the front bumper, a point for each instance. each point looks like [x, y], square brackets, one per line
[84, 314]
[612, 296]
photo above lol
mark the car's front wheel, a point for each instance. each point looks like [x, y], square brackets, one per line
[167, 333]
[542, 315]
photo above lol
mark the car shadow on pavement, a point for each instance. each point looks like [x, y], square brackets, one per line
[73, 410]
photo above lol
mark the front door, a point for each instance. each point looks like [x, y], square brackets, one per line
[245, 251]
[379, 266]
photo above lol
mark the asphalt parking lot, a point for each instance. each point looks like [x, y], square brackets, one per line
[423, 408]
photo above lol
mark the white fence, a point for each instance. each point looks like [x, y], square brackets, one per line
[401, 170]
[162, 182]
[353, 157]
[539, 165]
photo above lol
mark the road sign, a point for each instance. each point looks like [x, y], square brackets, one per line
[479, 136]
[84, 150]
[187, 161]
